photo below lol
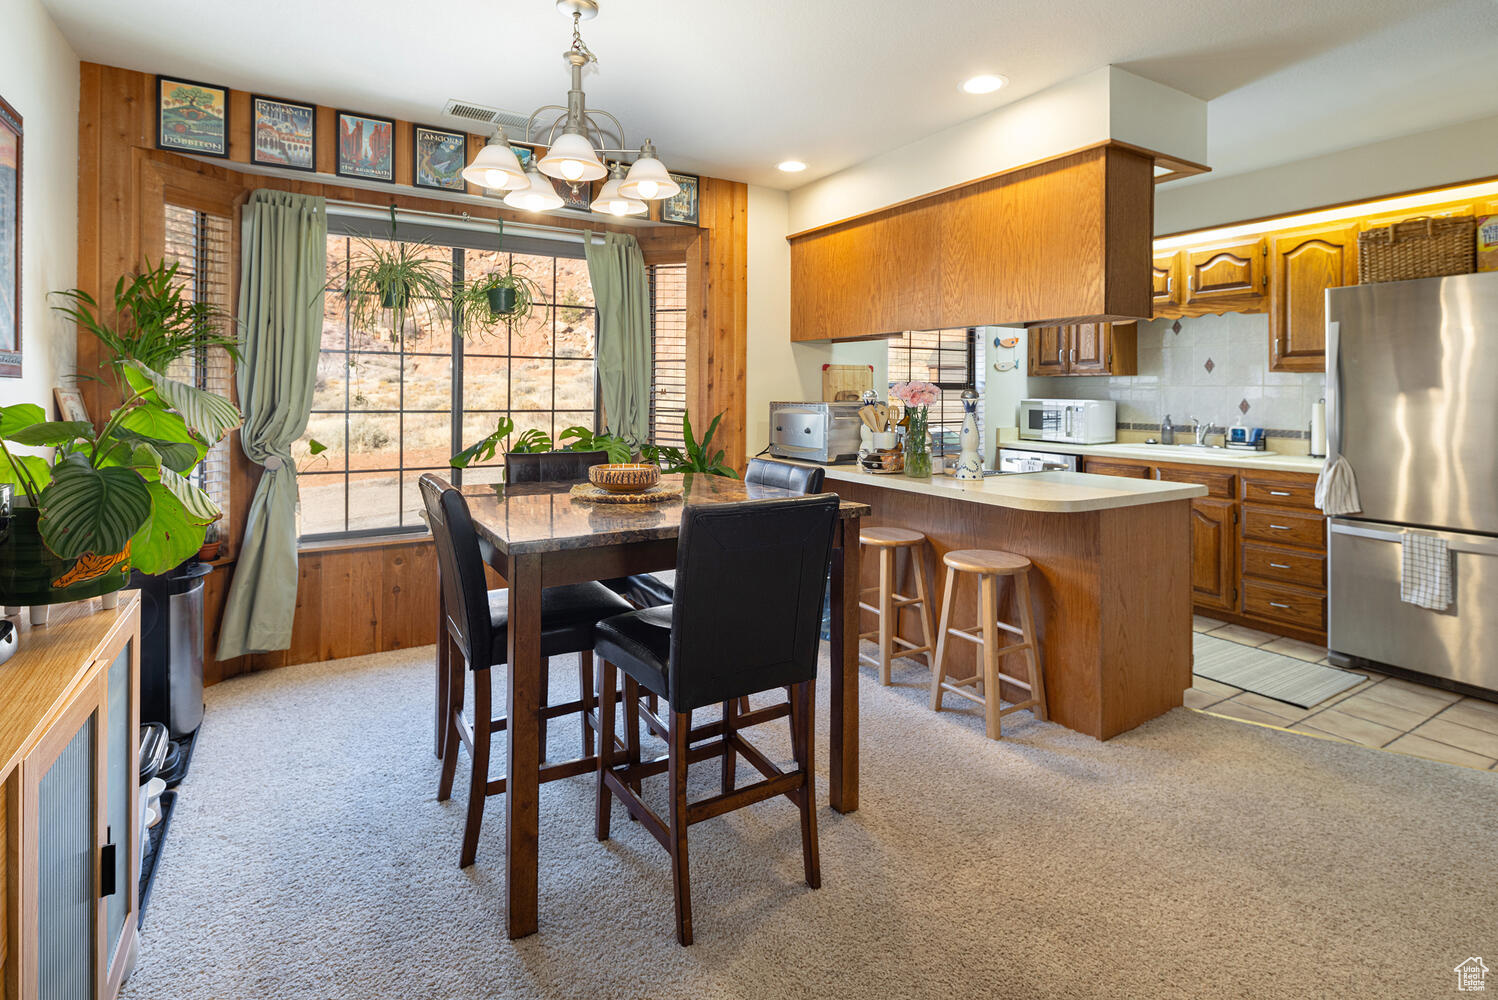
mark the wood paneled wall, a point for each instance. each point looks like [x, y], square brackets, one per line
[357, 599]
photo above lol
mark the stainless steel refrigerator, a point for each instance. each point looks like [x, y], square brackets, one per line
[1412, 401]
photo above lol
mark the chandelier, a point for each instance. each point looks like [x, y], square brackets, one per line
[576, 155]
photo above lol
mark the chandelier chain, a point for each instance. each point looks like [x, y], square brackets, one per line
[578, 45]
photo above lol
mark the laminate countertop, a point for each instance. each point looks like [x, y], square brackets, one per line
[1046, 492]
[1181, 454]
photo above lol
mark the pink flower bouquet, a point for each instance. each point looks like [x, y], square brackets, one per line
[915, 393]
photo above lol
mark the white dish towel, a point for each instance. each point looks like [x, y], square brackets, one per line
[1425, 571]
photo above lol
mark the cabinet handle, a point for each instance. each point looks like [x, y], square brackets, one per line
[1191, 282]
[1278, 493]
[1280, 527]
[106, 870]
[1277, 604]
[1109, 360]
[1170, 285]
[1073, 355]
[1061, 354]
[1279, 565]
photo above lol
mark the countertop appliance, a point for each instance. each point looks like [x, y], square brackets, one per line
[1020, 460]
[1075, 421]
[1412, 404]
[815, 432]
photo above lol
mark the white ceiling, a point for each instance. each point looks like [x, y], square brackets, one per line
[732, 88]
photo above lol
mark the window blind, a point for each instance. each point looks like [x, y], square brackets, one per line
[668, 336]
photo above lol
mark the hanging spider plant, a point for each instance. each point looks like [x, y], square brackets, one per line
[401, 280]
[504, 296]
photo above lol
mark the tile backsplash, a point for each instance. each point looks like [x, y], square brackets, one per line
[1211, 367]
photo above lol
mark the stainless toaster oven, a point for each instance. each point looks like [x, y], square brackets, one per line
[815, 432]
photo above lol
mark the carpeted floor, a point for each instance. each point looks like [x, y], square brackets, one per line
[1193, 857]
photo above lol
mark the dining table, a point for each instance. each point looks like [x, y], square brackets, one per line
[538, 535]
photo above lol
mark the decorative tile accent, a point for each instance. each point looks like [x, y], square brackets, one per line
[1209, 366]
[1175, 327]
[1242, 406]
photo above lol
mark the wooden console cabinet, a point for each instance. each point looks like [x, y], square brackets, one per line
[1258, 544]
[69, 804]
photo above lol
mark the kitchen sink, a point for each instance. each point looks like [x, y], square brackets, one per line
[1204, 450]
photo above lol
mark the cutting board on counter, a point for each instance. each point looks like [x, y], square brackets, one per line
[846, 383]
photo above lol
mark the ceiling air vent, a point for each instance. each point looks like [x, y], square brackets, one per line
[470, 111]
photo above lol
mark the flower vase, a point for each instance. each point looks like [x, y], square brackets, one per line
[917, 445]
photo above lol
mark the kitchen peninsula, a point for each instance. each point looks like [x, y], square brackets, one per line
[1111, 583]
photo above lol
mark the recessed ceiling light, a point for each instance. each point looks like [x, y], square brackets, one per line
[792, 166]
[985, 84]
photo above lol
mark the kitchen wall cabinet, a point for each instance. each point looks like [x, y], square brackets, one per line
[1085, 349]
[1303, 265]
[1258, 544]
[1231, 274]
[69, 725]
[1056, 240]
[1163, 282]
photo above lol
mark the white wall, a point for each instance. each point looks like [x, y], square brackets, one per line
[1105, 103]
[39, 78]
[1440, 156]
[777, 368]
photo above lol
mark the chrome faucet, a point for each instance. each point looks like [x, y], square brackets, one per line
[1167, 431]
[1201, 430]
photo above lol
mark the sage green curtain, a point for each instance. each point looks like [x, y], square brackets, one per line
[284, 251]
[621, 291]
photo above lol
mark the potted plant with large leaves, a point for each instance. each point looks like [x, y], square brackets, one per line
[695, 457]
[401, 280]
[533, 444]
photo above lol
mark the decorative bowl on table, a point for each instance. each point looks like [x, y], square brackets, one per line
[624, 477]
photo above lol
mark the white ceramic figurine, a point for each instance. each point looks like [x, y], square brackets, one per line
[970, 460]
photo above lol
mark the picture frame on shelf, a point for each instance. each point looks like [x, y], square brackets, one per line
[366, 146]
[283, 133]
[192, 117]
[70, 405]
[12, 163]
[681, 207]
[526, 153]
[438, 156]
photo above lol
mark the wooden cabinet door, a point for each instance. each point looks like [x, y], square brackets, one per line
[1107, 467]
[1087, 350]
[1164, 282]
[1231, 274]
[1213, 575]
[1048, 350]
[1302, 267]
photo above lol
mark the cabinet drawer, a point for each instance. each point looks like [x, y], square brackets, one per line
[1280, 494]
[1284, 604]
[1218, 484]
[1282, 527]
[1104, 468]
[1304, 569]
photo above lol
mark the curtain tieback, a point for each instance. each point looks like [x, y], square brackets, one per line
[273, 463]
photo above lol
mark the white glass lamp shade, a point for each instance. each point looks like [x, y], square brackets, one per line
[496, 168]
[611, 202]
[648, 180]
[572, 159]
[537, 196]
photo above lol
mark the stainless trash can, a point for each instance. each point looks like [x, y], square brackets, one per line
[171, 655]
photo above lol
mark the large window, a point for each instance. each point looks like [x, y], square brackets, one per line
[950, 359]
[391, 405]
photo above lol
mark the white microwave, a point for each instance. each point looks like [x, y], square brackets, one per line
[1075, 421]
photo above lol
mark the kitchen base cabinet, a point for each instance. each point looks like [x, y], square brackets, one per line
[1258, 545]
[69, 724]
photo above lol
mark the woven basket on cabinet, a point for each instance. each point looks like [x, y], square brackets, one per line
[1423, 247]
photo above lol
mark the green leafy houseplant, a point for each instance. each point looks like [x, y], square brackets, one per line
[535, 440]
[401, 279]
[509, 296]
[696, 457]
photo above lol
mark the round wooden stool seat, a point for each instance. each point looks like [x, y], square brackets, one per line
[882, 537]
[991, 561]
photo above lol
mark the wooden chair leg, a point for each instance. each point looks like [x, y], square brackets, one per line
[803, 714]
[730, 759]
[744, 705]
[680, 728]
[542, 726]
[606, 754]
[1032, 654]
[443, 708]
[918, 570]
[585, 685]
[478, 784]
[988, 609]
[456, 667]
[632, 728]
[887, 621]
[939, 666]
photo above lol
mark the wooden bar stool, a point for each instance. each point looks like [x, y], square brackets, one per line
[887, 541]
[989, 565]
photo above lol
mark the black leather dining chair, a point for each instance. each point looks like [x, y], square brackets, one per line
[475, 624]
[646, 590]
[747, 618]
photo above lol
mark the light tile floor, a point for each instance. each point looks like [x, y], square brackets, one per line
[1383, 712]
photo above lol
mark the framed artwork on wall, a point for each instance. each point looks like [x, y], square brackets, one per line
[10, 241]
[438, 157]
[526, 153]
[681, 207]
[192, 117]
[284, 133]
[366, 147]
